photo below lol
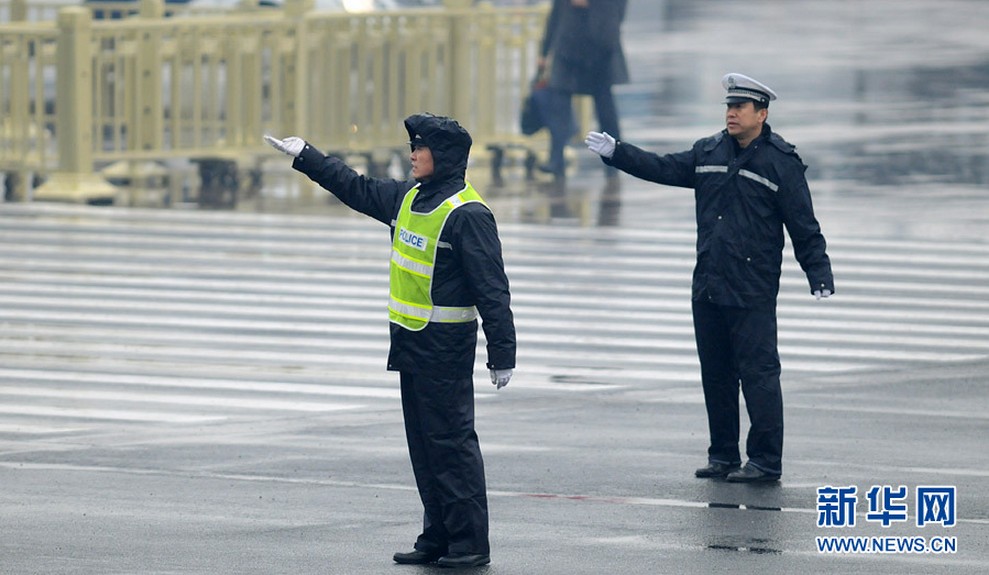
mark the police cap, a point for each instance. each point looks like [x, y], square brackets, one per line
[741, 88]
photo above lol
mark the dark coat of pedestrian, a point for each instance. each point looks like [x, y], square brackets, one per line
[584, 39]
[749, 185]
[582, 48]
[446, 269]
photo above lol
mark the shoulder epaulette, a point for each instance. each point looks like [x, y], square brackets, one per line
[781, 144]
[711, 142]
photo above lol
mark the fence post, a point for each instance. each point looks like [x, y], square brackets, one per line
[148, 121]
[460, 48]
[18, 11]
[16, 183]
[298, 8]
[152, 9]
[297, 101]
[74, 181]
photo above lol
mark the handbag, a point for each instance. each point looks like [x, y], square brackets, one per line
[532, 119]
[537, 107]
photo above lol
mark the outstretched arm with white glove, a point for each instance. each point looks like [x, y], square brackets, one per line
[291, 145]
[601, 143]
[822, 293]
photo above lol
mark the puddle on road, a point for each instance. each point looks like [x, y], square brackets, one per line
[757, 548]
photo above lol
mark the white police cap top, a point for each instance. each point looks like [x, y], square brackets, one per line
[741, 88]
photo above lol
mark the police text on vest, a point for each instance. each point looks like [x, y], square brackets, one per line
[412, 240]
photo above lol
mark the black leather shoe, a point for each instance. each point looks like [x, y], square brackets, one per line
[716, 470]
[750, 474]
[462, 560]
[416, 557]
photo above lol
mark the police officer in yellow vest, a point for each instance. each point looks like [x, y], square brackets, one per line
[446, 269]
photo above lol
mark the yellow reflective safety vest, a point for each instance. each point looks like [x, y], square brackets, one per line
[413, 258]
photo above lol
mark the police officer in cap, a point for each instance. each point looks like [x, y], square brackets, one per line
[446, 270]
[749, 185]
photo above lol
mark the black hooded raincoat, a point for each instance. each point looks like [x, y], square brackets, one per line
[470, 272]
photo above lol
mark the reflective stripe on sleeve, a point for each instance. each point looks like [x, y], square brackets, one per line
[446, 314]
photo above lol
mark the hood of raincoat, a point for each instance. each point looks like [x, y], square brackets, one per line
[446, 139]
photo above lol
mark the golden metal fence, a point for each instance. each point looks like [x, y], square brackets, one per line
[79, 92]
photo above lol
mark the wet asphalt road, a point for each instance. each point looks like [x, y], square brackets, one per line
[201, 392]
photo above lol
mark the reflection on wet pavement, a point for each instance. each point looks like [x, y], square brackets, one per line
[887, 103]
[748, 549]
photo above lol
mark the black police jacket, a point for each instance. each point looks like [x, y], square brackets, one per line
[744, 198]
[470, 272]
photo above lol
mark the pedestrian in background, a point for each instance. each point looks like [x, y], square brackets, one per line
[582, 50]
[749, 184]
[446, 268]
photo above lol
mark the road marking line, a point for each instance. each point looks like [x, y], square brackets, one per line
[171, 399]
[107, 414]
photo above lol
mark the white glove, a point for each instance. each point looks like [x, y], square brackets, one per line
[500, 377]
[822, 293]
[290, 145]
[600, 144]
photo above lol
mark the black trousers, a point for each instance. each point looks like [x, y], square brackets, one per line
[446, 461]
[738, 346]
[561, 122]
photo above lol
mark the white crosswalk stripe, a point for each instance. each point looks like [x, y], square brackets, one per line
[177, 317]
